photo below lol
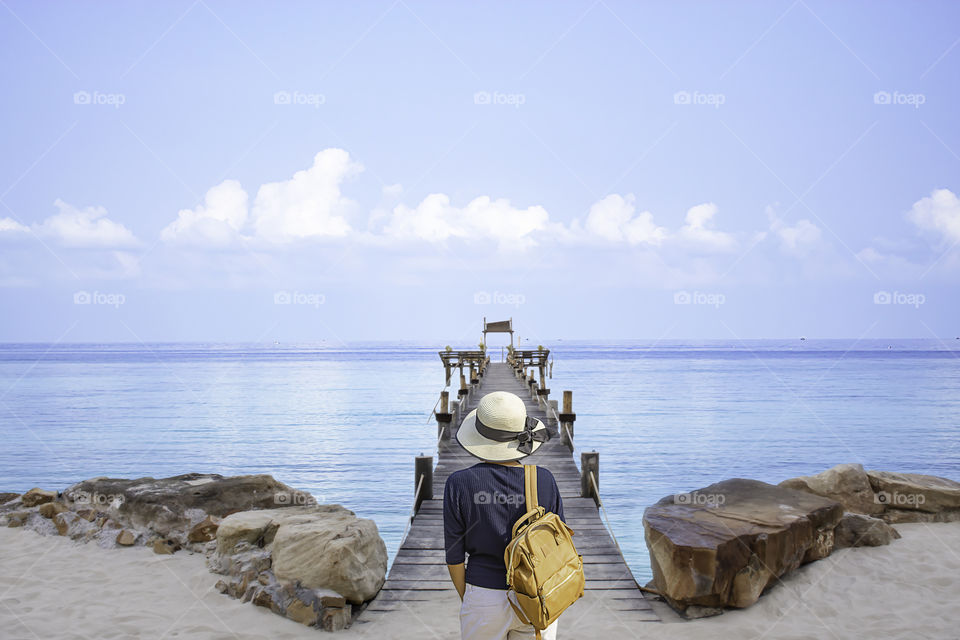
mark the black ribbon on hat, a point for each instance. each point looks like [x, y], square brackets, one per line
[526, 438]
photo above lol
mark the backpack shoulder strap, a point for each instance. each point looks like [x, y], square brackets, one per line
[530, 486]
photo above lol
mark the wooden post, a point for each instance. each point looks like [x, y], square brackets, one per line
[589, 462]
[567, 417]
[542, 392]
[446, 371]
[463, 386]
[444, 417]
[455, 414]
[422, 468]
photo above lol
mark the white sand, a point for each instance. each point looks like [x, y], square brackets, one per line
[54, 588]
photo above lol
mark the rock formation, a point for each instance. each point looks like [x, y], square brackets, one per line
[893, 497]
[858, 530]
[722, 545]
[307, 563]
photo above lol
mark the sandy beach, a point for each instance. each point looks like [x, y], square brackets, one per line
[52, 587]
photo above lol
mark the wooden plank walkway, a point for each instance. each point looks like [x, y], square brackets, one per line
[419, 572]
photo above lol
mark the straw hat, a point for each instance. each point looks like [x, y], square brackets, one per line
[499, 429]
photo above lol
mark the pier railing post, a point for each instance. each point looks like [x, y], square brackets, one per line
[422, 469]
[455, 413]
[590, 463]
[543, 394]
[444, 417]
[551, 415]
[463, 392]
[567, 417]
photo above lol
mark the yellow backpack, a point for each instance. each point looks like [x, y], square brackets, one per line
[544, 570]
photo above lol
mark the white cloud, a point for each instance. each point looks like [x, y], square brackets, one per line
[612, 219]
[85, 228]
[799, 239]
[393, 191]
[939, 212]
[9, 225]
[217, 222]
[436, 220]
[698, 231]
[309, 204]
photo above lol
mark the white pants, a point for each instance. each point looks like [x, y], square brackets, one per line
[486, 615]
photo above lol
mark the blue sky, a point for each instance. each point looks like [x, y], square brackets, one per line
[380, 170]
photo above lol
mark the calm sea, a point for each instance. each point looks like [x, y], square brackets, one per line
[345, 423]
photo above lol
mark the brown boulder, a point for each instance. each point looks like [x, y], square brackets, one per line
[6, 496]
[205, 530]
[848, 484]
[87, 514]
[49, 509]
[724, 544]
[64, 521]
[17, 519]
[164, 547]
[905, 495]
[302, 612]
[126, 538]
[858, 530]
[36, 497]
[335, 618]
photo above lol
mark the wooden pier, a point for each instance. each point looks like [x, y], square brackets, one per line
[418, 578]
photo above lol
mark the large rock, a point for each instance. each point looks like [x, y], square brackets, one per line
[339, 552]
[204, 531]
[126, 538]
[36, 497]
[49, 509]
[724, 544]
[6, 496]
[171, 507]
[914, 497]
[858, 530]
[848, 484]
[323, 547]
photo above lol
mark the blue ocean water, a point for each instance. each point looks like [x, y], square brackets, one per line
[345, 423]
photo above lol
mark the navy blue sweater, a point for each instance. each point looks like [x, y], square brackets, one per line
[480, 505]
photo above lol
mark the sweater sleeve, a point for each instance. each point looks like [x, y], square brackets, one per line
[454, 528]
